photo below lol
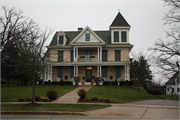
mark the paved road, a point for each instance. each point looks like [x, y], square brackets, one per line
[156, 102]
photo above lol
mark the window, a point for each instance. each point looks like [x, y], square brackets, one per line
[61, 38]
[118, 72]
[87, 37]
[167, 89]
[60, 72]
[104, 55]
[72, 72]
[104, 72]
[116, 36]
[177, 89]
[72, 55]
[117, 55]
[60, 56]
[123, 36]
[172, 89]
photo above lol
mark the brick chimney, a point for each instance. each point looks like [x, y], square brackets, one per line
[80, 29]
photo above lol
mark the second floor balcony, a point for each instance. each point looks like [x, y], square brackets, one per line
[91, 58]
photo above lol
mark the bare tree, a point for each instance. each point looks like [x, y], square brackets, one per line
[166, 52]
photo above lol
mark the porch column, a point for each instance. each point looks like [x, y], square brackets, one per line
[125, 70]
[74, 54]
[97, 70]
[77, 70]
[128, 73]
[100, 53]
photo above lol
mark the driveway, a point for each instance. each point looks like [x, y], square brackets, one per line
[156, 102]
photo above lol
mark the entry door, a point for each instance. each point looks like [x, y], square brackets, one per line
[88, 54]
[88, 75]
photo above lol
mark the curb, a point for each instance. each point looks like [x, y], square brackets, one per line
[42, 113]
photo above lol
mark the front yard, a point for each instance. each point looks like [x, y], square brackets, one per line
[175, 97]
[11, 93]
[112, 92]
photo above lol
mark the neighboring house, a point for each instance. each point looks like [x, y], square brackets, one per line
[172, 85]
[87, 53]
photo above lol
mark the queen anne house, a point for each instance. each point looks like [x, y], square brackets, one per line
[87, 53]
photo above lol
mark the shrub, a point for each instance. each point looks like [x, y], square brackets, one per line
[94, 99]
[45, 100]
[21, 99]
[154, 92]
[51, 94]
[69, 83]
[54, 83]
[86, 99]
[46, 83]
[114, 83]
[61, 83]
[97, 80]
[29, 98]
[76, 80]
[106, 100]
[106, 83]
[37, 98]
[82, 93]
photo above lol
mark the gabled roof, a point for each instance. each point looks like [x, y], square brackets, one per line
[172, 79]
[87, 28]
[119, 21]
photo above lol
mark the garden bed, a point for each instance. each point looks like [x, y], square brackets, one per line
[96, 100]
[29, 99]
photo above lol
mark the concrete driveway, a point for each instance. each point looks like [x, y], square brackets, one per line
[156, 102]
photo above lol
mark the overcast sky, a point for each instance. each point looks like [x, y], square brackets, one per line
[144, 16]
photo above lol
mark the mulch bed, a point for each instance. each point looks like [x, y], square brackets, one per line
[31, 101]
[84, 101]
[32, 104]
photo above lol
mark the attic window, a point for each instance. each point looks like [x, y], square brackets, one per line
[61, 38]
[87, 38]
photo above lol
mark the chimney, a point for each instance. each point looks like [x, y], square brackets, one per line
[80, 29]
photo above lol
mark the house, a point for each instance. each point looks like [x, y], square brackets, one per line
[172, 85]
[88, 54]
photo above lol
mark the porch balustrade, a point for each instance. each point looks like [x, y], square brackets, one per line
[87, 58]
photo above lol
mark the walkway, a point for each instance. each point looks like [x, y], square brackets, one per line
[71, 97]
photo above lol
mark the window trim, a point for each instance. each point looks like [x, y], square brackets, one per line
[89, 37]
[119, 55]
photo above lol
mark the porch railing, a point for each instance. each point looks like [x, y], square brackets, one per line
[87, 58]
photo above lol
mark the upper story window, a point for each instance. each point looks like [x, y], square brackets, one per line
[61, 39]
[123, 36]
[104, 55]
[60, 56]
[116, 36]
[117, 55]
[87, 37]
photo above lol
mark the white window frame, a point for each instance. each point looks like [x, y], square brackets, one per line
[120, 40]
[85, 37]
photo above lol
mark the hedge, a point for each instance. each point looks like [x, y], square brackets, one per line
[154, 92]
[106, 83]
[115, 83]
[59, 83]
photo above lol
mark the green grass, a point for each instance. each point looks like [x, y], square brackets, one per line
[54, 107]
[11, 93]
[112, 92]
[175, 97]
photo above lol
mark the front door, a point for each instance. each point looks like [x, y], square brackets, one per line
[88, 75]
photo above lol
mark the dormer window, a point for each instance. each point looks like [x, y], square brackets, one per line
[87, 37]
[61, 39]
[116, 36]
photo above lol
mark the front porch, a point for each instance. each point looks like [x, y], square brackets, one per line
[87, 73]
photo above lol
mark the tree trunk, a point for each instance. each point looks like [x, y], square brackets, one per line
[33, 100]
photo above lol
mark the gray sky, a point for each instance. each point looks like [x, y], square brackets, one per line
[144, 16]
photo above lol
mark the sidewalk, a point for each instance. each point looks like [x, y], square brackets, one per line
[71, 97]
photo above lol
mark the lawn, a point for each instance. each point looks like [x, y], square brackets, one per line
[54, 107]
[112, 92]
[175, 97]
[15, 92]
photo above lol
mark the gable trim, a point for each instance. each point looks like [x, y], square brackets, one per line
[72, 42]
